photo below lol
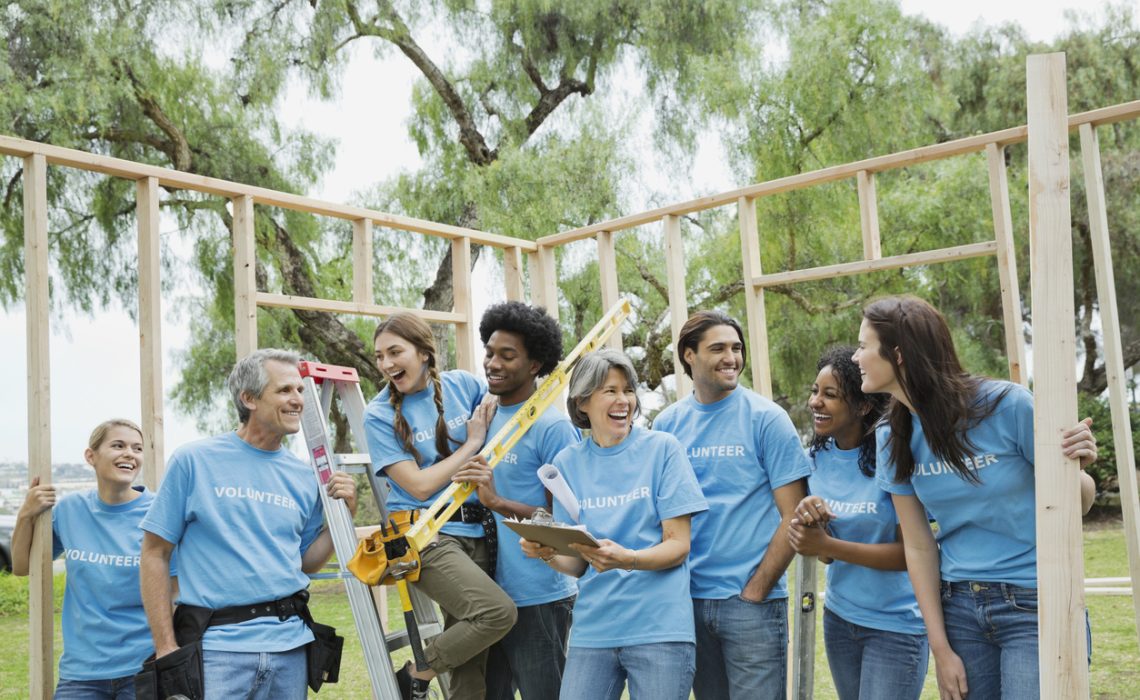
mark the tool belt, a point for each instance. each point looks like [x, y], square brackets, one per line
[385, 556]
[181, 672]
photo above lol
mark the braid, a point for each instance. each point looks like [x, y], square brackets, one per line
[403, 430]
[442, 438]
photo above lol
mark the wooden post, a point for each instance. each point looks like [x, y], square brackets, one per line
[545, 282]
[513, 274]
[150, 330]
[41, 667]
[1060, 562]
[607, 270]
[1007, 265]
[869, 215]
[678, 304]
[245, 277]
[1113, 355]
[754, 297]
[461, 284]
[362, 261]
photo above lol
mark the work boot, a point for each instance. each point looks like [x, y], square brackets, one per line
[411, 688]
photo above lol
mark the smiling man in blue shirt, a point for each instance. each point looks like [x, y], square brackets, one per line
[752, 470]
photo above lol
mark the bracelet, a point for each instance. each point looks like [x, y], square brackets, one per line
[548, 559]
[633, 566]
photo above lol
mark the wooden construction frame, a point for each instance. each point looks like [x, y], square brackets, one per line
[541, 264]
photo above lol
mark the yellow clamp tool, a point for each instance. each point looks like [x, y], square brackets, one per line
[424, 530]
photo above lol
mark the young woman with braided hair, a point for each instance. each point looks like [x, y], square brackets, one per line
[421, 429]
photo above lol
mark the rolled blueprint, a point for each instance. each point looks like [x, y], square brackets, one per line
[552, 479]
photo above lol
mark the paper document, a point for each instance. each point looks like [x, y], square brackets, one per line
[546, 532]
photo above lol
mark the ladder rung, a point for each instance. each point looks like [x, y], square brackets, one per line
[352, 458]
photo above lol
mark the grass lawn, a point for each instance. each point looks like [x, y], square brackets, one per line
[1115, 671]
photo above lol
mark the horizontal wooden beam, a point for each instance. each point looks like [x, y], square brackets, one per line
[286, 301]
[962, 252]
[902, 159]
[175, 179]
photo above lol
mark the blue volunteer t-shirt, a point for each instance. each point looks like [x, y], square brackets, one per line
[882, 600]
[742, 448]
[105, 633]
[529, 581]
[241, 518]
[462, 393]
[624, 492]
[986, 532]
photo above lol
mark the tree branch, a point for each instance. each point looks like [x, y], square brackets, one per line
[178, 148]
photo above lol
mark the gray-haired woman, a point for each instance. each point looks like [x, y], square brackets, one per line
[636, 488]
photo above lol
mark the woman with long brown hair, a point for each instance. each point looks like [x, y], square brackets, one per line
[961, 447]
[421, 429]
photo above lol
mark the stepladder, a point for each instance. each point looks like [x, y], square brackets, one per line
[325, 384]
[804, 604]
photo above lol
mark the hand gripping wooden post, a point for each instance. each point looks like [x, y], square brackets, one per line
[1060, 563]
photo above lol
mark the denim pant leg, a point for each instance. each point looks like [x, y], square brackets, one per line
[745, 654]
[533, 652]
[660, 671]
[970, 635]
[88, 690]
[281, 675]
[1013, 611]
[844, 654]
[592, 674]
[710, 681]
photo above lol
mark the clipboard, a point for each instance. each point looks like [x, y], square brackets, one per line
[553, 535]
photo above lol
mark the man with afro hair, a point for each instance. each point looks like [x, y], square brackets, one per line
[524, 343]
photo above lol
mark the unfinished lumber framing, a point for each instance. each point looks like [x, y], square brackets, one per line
[544, 284]
[678, 301]
[1007, 264]
[41, 674]
[245, 277]
[1060, 566]
[869, 215]
[607, 270]
[513, 274]
[461, 289]
[362, 261]
[927, 257]
[1113, 354]
[150, 330]
[754, 296]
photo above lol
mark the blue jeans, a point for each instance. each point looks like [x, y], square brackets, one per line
[278, 675]
[993, 628]
[872, 663]
[742, 649]
[661, 671]
[109, 689]
[533, 654]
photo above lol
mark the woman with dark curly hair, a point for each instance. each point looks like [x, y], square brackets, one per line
[873, 632]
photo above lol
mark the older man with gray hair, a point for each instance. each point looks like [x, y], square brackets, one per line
[245, 517]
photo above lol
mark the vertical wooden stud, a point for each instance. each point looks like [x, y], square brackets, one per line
[38, 303]
[607, 269]
[513, 274]
[245, 277]
[546, 281]
[754, 297]
[678, 303]
[150, 330]
[1113, 355]
[461, 284]
[869, 215]
[1007, 265]
[1060, 562]
[362, 261]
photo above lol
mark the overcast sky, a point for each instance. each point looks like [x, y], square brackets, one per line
[95, 369]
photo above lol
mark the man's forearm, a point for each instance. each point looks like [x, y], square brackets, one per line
[772, 566]
[318, 553]
[154, 576]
